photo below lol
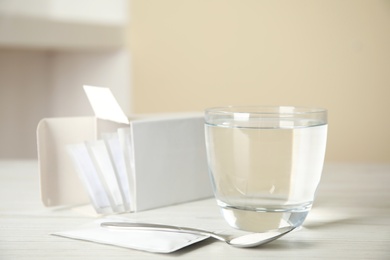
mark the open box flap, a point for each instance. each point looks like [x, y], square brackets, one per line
[60, 184]
[105, 105]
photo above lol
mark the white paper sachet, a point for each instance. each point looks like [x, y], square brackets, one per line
[151, 241]
[115, 151]
[90, 178]
[124, 138]
[106, 172]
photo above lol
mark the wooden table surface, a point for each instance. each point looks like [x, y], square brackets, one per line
[350, 220]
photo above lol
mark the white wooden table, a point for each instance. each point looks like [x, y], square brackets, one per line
[350, 220]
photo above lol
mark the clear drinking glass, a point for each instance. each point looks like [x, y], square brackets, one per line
[265, 163]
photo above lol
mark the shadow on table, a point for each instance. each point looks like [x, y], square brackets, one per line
[319, 219]
[279, 245]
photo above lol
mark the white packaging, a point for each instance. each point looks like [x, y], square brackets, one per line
[166, 159]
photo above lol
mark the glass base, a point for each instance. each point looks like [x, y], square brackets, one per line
[259, 221]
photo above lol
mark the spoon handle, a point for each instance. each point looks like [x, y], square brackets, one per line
[154, 227]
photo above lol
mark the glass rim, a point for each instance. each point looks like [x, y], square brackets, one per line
[265, 110]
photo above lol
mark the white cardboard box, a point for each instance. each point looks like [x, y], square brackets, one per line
[169, 157]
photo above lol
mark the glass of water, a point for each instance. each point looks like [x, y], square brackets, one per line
[265, 163]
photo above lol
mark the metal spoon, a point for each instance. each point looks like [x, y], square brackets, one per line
[248, 240]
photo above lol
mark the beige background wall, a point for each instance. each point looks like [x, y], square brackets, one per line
[188, 55]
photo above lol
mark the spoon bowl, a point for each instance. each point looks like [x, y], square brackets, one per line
[247, 240]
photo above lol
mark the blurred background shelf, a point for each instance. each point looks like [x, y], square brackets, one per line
[62, 25]
[49, 49]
